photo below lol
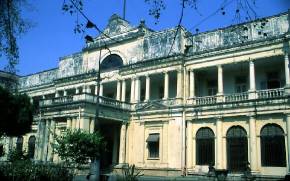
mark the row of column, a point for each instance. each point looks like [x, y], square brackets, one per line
[84, 123]
[252, 87]
[86, 89]
[46, 131]
[136, 88]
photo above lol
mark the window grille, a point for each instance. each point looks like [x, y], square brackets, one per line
[205, 152]
[273, 152]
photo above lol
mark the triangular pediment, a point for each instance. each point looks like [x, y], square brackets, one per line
[152, 105]
[117, 25]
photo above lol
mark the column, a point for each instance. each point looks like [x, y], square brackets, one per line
[219, 144]
[220, 80]
[252, 76]
[46, 140]
[68, 123]
[132, 90]
[122, 151]
[92, 125]
[77, 121]
[287, 78]
[56, 93]
[40, 139]
[101, 89]
[84, 123]
[253, 143]
[77, 90]
[137, 89]
[252, 90]
[191, 84]
[147, 89]
[96, 89]
[179, 87]
[74, 122]
[118, 95]
[89, 90]
[123, 96]
[64, 93]
[51, 140]
[189, 140]
[288, 138]
[85, 89]
[166, 85]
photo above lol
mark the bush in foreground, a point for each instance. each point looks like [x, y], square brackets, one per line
[28, 171]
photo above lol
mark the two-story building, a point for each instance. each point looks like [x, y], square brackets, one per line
[173, 102]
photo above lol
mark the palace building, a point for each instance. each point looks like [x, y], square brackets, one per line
[173, 102]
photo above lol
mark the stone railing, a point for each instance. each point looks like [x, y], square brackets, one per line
[205, 100]
[270, 93]
[236, 97]
[259, 30]
[85, 98]
[260, 94]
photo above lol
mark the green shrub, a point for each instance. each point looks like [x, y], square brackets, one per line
[28, 171]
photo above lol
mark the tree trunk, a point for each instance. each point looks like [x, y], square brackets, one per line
[95, 170]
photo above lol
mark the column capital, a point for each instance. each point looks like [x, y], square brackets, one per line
[220, 66]
[252, 115]
[179, 70]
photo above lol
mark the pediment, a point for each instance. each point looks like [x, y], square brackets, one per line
[152, 105]
[117, 25]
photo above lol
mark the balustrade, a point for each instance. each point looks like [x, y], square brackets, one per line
[206, 100]
[270, 93]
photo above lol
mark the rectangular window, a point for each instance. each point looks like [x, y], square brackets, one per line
[153, 145]
[273, 80]
[212, 87]
[241, 84]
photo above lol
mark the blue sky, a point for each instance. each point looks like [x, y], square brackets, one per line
[52, 35]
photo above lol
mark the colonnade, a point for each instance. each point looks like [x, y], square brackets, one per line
[252, 78]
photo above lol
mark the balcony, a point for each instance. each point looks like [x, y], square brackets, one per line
[260, 94]
[87, 98]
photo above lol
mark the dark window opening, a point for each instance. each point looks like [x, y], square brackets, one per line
[273, 80]
[273, 146]
[205, 152]
[211, 87]
[19, 144]
[31, 147]
[111, 62]
[161, 92]
[153, 145]
[241, 84]
[237, 149]
[1, 150]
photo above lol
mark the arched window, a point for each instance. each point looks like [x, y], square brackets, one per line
[205, 147]
[19, 144]
[273, 152]
[31, 146]
[111, 62]
[237, 149]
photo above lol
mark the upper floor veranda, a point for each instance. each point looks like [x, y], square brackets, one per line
[245, 62]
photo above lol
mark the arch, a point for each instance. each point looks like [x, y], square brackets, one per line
[205, 147]
[111, 62]
[237, 149]
[273, 152]
[31, 146]
[19, 144]
[236, 132]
